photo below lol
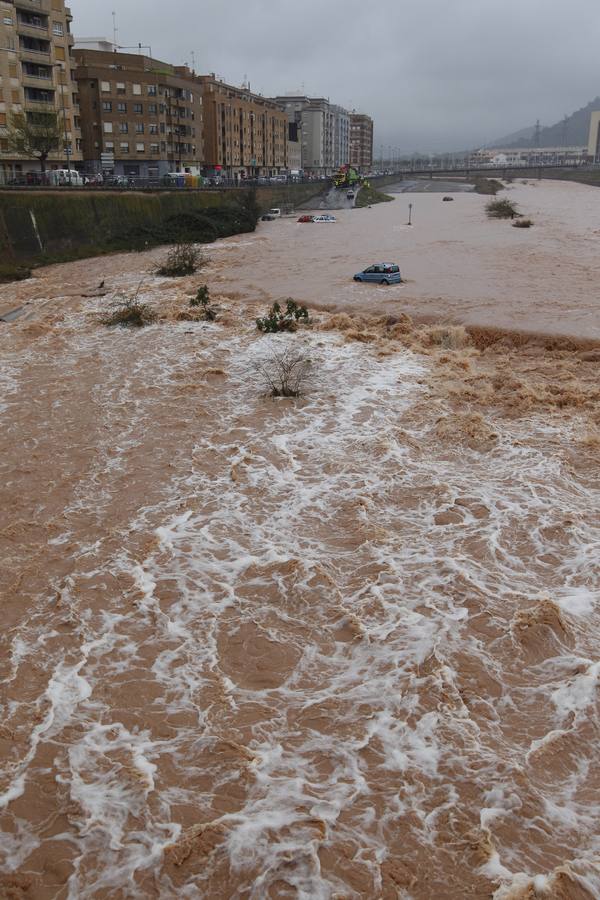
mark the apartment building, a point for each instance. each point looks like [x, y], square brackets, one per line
[294, 150]
[37, 74]
[341, 136]
[361, 141]
[245, 135]
[324, 130]
[141, 117]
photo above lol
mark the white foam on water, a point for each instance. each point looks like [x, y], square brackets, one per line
[291, 596]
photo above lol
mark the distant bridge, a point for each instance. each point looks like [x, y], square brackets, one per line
[466, 170]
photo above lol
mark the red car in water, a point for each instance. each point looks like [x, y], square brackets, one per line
[306, 219]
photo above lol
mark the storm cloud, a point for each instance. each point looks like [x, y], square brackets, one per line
[435, 75]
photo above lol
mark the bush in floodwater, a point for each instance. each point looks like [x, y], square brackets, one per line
[285, 373]
[129, 312]
[523, 223]
[202, 298]
[183, 259]
[501, 209]
[277, 320]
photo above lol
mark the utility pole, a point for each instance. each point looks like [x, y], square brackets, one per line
[536, 137]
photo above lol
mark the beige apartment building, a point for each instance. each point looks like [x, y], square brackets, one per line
[140, 117]
[36, 73]
[361, 141]
[245, 135]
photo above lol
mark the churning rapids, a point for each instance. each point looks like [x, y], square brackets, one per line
[338, 647]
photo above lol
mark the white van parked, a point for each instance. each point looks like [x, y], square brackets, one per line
[66, 176]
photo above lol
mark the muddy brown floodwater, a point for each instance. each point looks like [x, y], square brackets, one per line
[344, 646]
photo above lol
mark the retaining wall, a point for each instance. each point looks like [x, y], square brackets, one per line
[45, 226]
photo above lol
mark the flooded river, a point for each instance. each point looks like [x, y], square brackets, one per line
[344, 646]
[458, 265]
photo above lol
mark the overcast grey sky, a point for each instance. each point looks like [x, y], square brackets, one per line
[434, 74]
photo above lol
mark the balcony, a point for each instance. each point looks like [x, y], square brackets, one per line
[33, 31]
[34, 55]
[37, 81]
[34, 6]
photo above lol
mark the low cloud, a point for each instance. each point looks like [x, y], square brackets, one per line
[434, 75]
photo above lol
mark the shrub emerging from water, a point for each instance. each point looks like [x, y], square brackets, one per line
[129, 312]
[523, 223]
[285, 373]
[487, 185]
[183, 259]
[501, 209]
[202, 298]
[276, 320]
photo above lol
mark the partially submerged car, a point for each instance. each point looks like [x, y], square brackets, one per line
[306, 219]
[324, 218]
[380, 273]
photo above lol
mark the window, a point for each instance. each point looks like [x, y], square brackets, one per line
[124, 147]
[109, 145]
[123, 127]
[120, 87]
[57, 28]
[121, 107]
[139, 127]
[2, 118]
[7, 20]
[153, 148]
[59, 53]
[106, 106]
[152, 91]
[138, 109]
[153, 128]
[152, 109]
[107, 127]
[137, 90]
[140, 148]
[105, 87]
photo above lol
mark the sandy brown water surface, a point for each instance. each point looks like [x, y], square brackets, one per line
[458, 265]
[344, 646]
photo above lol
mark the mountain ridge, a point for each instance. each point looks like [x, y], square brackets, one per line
[571, 131]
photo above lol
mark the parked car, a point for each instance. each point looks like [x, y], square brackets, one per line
[380, 273]
[268, 217]
[350, 195]
[69, 177]
[306, 219]
[275, 212]
[325, 218]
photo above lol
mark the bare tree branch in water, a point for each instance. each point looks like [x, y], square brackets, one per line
[285, 373]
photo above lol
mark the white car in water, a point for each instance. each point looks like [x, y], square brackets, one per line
[324, 219]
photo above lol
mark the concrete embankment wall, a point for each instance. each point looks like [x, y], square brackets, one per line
[46, 226]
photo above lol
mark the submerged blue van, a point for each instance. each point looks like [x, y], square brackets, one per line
[380, 273]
